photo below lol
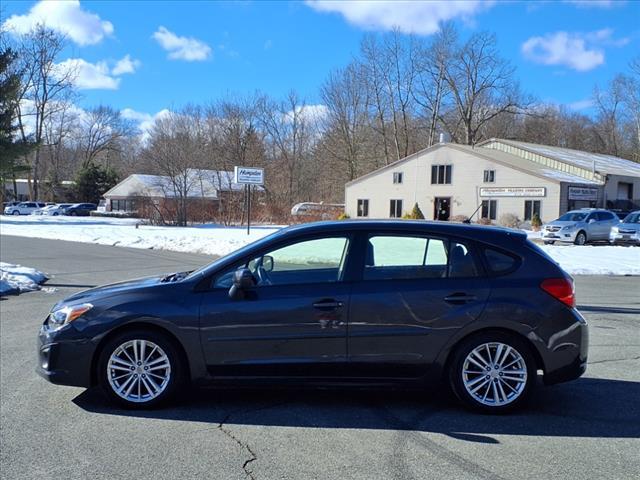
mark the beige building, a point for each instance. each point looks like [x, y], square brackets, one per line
[494, 178]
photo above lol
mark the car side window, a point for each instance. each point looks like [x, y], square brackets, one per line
[320, 260]
[390, 257]
[499, 262]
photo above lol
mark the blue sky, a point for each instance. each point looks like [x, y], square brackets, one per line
[148, 56]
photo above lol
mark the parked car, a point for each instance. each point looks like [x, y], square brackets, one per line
[43, 210]
[80, 209]
[9, 204]
[356, 302]
[23, 208]
[56, 210]
[580, 227]
[627, 232]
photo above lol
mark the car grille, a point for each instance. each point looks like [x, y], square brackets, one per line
[553, 229]
[626, 232]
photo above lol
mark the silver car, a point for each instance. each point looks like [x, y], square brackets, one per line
[580, 227]
[627, 232]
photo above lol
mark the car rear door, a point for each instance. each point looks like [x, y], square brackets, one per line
[294, 322]
[414, 292]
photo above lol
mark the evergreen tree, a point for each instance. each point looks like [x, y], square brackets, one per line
[10, 149]
[93, 181]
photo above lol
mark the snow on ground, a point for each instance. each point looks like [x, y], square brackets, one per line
[218, 240]
[16, 279]
[122, 232]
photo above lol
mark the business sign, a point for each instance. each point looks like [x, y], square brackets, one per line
[248, 176]
[583, 193]
[513, 191]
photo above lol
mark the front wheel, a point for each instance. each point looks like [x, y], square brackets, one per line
[581, 238]
[140, 369]
[549, 242]
[493, 372]
[15, 212]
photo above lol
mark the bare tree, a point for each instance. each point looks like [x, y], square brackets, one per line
[101, 131]
[47, 88]
[482, 86]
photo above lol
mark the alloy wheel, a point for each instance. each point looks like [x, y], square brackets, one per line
[494, 374]
[138, 371]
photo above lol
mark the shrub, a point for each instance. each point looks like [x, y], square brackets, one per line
[415, 214]
[343, 216]
[509, 220]
[459, 218]
[485, 221]
[536, 222]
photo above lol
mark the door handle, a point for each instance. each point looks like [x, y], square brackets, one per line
[459, 298]
[327, 304]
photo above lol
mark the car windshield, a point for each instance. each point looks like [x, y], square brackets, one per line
[632, 218]
[573, 217]
[235, 254]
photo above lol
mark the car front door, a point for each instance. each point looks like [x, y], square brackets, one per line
[293, 322]
[416, 290]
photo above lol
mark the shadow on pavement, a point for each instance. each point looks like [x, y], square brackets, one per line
[600, 309]
[587, 407]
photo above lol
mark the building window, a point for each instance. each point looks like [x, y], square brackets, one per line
[395, 208]
[122, 205]
[440, 174]
[363, 208]
[489, 176]
[531, 208]
[397, 177]
[489, 209]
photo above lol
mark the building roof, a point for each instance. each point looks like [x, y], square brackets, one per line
[604, 164]
[200, 184]
[528, 166]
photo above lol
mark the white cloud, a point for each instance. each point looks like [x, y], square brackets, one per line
[90, 76]
[422, 18]
[125, 65]
[145, 121]
[581, 105]
[182, 48]
[563, 48]
[66, 17]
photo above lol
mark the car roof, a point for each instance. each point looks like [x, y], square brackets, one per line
[480, 232]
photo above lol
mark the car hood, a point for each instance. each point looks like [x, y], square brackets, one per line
[629, 226]
[558, 223]
[114, 288]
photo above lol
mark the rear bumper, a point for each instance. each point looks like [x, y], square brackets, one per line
[566, 357]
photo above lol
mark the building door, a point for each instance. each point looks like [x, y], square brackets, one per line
[442, 208]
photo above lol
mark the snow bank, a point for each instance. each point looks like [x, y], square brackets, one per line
[596, 260]
[16, 279]
[205, 239]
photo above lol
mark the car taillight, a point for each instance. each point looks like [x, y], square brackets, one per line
[561, 289]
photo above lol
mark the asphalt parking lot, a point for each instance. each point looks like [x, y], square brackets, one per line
[586, 429]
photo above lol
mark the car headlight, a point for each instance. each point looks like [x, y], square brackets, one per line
[60, 317]
[614, 230]
[568, 227]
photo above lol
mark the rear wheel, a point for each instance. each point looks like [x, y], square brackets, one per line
[549, 242]
[140, 369]
[493, 372]
[581, 238]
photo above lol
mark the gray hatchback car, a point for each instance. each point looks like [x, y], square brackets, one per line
[580, 227]
[628, 231]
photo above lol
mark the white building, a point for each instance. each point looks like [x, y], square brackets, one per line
[494, 178]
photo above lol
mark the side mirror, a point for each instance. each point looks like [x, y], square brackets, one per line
[243, 280]
[593, 220]
[267, 263]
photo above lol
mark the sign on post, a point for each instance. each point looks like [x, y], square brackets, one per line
[248, 176]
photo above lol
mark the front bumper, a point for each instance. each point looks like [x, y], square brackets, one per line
[560, 236]
[624, 238]
[62, 359]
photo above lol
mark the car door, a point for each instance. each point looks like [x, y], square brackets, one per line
[415, 291]
[293, 322]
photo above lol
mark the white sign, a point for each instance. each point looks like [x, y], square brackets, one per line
[583, 193]
[513, 192]
[247, 175]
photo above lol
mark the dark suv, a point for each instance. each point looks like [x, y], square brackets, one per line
[80, 209]
[370, 303]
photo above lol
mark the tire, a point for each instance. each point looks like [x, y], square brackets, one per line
[15, 212]
[72, 214]
[581, 238]
[476, 390]
[549, 242]
[145, 389]
[55, 214]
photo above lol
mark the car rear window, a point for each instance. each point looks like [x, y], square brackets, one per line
[500, 262]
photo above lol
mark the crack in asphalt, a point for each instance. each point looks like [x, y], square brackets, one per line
[614, 360]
